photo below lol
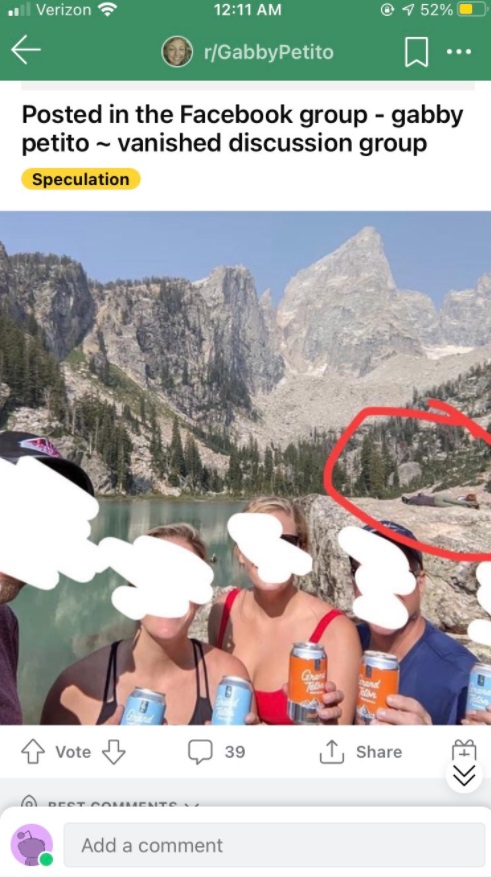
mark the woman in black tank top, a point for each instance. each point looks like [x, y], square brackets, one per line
[161, 657]
[203, 709]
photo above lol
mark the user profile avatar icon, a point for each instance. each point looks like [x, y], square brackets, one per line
[177, 51]
[32, 845]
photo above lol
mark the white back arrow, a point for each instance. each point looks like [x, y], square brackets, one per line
[17, 50]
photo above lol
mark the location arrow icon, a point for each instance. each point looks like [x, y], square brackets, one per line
[17, 49]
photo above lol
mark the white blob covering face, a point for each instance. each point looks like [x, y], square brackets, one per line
[383, 576]
[258, 537]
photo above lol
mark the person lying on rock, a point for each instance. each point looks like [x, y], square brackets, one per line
[442, 500]
[434, 668]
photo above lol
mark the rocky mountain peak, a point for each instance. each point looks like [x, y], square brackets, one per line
[341, 313]
[483, 287]
[214, 346]
[366, 243]
[229, 287]
[367, 236]
[466, 314]
[361, 262]
[241, 326]
[52, 289]
[206, 345]
[266, 300]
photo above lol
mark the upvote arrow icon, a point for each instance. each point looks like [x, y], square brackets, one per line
[33, 750]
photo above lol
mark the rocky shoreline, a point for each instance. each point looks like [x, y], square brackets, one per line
[450, 600]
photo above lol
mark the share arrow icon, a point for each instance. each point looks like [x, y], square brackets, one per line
[332, 757]
[17, 50]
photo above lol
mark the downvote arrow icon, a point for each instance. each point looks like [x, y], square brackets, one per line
[113, 752]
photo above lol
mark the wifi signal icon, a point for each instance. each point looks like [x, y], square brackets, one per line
[107, 8]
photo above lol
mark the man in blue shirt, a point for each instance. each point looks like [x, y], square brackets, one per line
[434, 668]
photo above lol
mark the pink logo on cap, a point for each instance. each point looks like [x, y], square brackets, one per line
[41, 445]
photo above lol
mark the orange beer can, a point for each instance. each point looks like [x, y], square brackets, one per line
[379, 677]
[306, 682]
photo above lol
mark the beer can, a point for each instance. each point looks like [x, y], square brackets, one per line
[144, 707]
[306, 682]
[479, 692]
[233, 701]
[378, 677]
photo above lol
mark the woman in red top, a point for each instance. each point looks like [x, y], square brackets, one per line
[259, 626]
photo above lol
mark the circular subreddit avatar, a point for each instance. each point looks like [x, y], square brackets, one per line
[177, 51]
[32, 845]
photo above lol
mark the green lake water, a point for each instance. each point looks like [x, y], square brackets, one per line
[60, 626]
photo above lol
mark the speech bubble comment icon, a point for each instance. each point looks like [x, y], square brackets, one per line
[200, 750]
[445, 415]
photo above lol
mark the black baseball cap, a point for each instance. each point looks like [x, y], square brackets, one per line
[402, 531]
[14, 445]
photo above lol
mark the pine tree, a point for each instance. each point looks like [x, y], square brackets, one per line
[377, 475]
[156, 449]
[268, 470]
[30, 370]
[216, 483]
[234, 474]
[192, 462]
[122, 459]
[176, 453]
[339, 477]
[98, 424]
[206, 480]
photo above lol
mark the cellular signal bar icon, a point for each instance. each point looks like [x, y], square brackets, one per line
[24, 9]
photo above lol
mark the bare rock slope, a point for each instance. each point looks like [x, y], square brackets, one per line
[450, 601]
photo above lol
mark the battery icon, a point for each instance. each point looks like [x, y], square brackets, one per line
[473, 10]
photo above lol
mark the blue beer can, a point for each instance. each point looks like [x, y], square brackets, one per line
[479, 692]
[233, 701]
[144, 707]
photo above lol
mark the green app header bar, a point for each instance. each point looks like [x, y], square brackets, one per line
[300, 40]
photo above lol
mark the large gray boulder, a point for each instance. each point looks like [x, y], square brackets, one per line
[450, 600]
